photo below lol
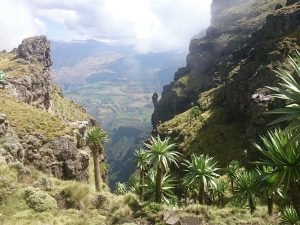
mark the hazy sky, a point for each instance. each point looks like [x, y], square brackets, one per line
[147, 25]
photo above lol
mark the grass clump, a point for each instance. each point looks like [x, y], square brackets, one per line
[132, 201]
[77, 195]
[39, 200]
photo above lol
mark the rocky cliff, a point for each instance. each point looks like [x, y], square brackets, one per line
[226, 74]
[38, 126]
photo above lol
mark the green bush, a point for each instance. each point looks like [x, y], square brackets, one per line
[39, 200]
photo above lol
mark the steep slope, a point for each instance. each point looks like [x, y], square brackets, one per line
[114, 84]
[226, 73]
[39, 127]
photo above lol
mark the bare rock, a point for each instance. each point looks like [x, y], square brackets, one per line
[36, 49]
[61, 158]
[171, 218]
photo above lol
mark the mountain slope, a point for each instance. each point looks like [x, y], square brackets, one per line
[226, 73]
[115, 85]
[39, 127]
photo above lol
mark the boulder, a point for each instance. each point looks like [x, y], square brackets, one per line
[171, 218]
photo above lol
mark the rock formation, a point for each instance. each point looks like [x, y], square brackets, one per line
[231, 65]
[65, 156]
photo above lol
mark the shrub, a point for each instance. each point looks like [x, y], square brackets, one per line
[101, 202]
[132, 201]
[120, 213]
[39, 200]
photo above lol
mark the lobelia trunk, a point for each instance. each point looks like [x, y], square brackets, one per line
[295, 194]
[201, 193]
[158, 185]
[96, 169]
[270, 205]
[251, 205]
[142, 185]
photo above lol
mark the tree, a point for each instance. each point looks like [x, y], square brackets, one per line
[161, 155]
[289, 90]
[246, 188]
[267, 182]
[195, 113]
[232, 171]
[284, 156]
[166, 187]
[201, 171]
[142, 164]
[220, 190]
[96, 137]
[134, 184]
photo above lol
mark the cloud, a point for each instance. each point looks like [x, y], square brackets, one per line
[147, 25]
[17, 21]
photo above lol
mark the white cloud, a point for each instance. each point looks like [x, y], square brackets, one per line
[148, 25]
[17, 21]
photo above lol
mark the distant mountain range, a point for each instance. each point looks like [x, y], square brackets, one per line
[115, 84]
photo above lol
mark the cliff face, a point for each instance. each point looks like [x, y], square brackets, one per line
[226, 73]
[38, 126]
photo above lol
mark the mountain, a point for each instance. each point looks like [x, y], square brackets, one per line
[115, 85]
[39, 127]
[226, 74]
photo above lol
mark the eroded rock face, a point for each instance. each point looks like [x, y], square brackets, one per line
[35, 86]
[36, 49]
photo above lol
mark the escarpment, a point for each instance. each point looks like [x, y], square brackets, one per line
[38, 126]
[226, 74]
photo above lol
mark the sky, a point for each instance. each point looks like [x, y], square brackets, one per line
[146, 25]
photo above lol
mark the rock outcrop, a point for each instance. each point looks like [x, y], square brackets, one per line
[64, 154]
[33, 83]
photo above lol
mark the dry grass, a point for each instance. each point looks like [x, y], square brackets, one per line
[13, 66]
[26, 119]
[67, 109]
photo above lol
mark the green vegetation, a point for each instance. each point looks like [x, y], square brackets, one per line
[95, 139]
[232, 171]
[201, 173]
[289, 216]
[161, 155]
[142, 164]
[211, 134]
[247, 188]
[21, 118]
[39, 200]
[13, 66]
[289, 90]
[67, 109]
